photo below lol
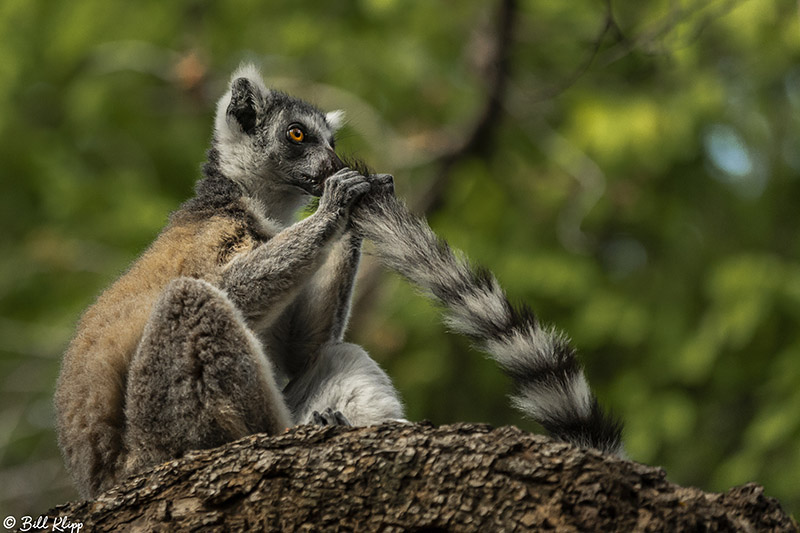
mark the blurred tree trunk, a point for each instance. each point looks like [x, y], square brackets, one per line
[400, 477]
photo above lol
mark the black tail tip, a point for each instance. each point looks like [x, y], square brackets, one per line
[600, 430]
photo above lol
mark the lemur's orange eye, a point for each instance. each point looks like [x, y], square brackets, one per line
[295, 134]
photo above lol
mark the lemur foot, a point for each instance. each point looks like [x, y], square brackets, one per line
[329, 417]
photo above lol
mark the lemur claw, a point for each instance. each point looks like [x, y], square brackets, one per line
[329, 417]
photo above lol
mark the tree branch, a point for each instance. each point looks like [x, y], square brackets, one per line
[402, 477]
[479, 141]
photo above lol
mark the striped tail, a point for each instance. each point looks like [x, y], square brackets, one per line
[550, 384]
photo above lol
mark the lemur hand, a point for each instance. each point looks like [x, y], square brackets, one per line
[343, 189]
[380, 202]
[381, 189]
[381, 184]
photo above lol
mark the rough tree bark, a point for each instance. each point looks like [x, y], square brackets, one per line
[415, 477]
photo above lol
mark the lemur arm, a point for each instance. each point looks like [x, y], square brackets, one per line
[264, 281]
[344, 261]
[319, 314]
[328, 298]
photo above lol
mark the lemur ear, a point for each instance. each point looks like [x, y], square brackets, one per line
[243, 107]
[335, 119]
[238, 109]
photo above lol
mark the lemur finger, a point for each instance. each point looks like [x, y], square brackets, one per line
[335, 418]
[383, 179]
[343, 180]
[342, 190]
[343, 174]
[329, 417]
[383, 183]
[354, 188]
[341, 420]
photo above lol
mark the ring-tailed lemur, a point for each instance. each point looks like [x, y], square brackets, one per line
[551, 387]
[183, 350]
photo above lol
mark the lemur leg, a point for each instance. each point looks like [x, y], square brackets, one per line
[198, 379]
[344, 378]
[338, 380]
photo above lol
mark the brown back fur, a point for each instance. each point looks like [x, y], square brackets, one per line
[90, 405]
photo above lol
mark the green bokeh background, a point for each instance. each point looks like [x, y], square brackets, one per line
[642, 193]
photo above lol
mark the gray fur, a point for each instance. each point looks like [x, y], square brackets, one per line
[194, 330]
[344, 377]
[551, 387]
[188, 348]
[262, 283]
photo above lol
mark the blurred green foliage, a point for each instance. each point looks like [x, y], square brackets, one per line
[641, 194]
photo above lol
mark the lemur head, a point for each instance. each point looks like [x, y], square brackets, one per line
[269, 141]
